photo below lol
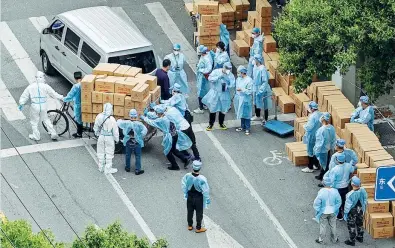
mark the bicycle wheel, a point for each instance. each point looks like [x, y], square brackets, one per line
[59, 121]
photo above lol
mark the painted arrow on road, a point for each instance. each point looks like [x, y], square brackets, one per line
[217, 237]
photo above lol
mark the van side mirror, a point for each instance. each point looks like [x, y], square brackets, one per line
[46, 31]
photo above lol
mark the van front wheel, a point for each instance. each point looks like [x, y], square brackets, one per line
[46, 64]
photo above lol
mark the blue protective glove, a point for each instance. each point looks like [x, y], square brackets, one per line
[345, 217]
[142, 117]
[20, 107]
[185, 196]
[208, 201]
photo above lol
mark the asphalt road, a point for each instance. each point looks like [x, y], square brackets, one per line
[256, 204]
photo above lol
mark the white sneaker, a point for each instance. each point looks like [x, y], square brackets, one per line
[255, 118]
[198, 111]
[112, 171]
[32, 137]
[307, 170]
[239, 129]
[315, 167]
[54, 136]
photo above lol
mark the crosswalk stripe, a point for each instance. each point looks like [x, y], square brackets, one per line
[9, 105]
[173, 32]
[39, 23]
[17, 52]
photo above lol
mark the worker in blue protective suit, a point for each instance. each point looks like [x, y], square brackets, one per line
[133, 139]
[224, 36]
[106, 129]
[351, 156]
[197, 193]
[262, 90]
[311, 128]
[218, 99]
[326, 206]
[221, 56]
[354, 211]
[325, 140]
[243, 100]
[174, 140]
[364, 114]
[340, 176]
[256, 49]
[204, 68]
[38, 93]
[177, 73]
[177, 100]
[75, 96]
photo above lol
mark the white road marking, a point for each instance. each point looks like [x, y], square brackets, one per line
[217, 237]
[9, 105]
[171, 30]
[275, 159]
[17, 52]
[125, 199]
[253, 192]
[10, 152]
[39, 23]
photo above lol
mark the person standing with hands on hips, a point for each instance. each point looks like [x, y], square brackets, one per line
[197, 193]
[243, 100]
[75, 96]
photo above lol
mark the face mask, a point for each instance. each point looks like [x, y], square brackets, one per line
[217, 50]
[176, 52]
[254, 35]
[227, 72]
[359, 104]
[239, 75]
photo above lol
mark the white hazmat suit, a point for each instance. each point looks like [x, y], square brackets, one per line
[38, 93]
[106, 128]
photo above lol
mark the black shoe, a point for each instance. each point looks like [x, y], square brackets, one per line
[318, 241]
[360, 240]
[173, 168]
[127, 169]
[318, 178]
[320, 185]
[348, 242]
[77, 135]
[139, 172]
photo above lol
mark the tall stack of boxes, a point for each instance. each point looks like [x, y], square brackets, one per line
[227, 15]
[263, 16]
[208, 24]
[237, 6]
[123, 86]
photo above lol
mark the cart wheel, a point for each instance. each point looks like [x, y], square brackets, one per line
[59, 121]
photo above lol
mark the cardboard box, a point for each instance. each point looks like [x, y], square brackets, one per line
[252, 17]
[86, 96]
[133, 71]
[207, 8]
[301, 98]
[370, 188]
[246, 26]
[264, 21]
[88, 83]
[86, 107]
[378, 206]
[241, 48]
[237, 5]
[107, 84]
[272, 80]
[119, 100]
[239, 35]
[203, 30]
[152, 81]
[121, 70]
[143, 104]
[285, 85]
[138, 92]
[388, 162]
[381, 220]
[248, 37]
[312, 89]
[300, 158]
[119, 110]
[274, 56]
[273, 65]
[129, 104]
[125, 87]
[108, 98]
[155, 94]
[382, 233]
[264, 9]
[88, 118]
[392, 208]
[286, 103]
[367, 156]
[269, 44]
[97, 97]
[377, 158]
[206, 40]
[97, 108]
[210, 20]
[105, 69]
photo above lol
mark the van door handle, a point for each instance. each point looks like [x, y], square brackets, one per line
[57, 48]
[64, 54]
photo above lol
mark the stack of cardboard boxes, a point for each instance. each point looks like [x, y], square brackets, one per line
[227, 15]
[263, 17]
[240, 8]
[208, 24]
[297, 153]
[123, 86]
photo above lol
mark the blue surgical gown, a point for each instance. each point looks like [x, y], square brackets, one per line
[326, 197]
[220, 58]
[261, 88]
[217, 100]
[138, 128]
[224, 36]
[256, 49]
[325, 141]
[75, 96]
[243, 99]
[204, 67]
[200, 184]
[177, 73]
[311, 128]
[351, 157]
[340, 175]
[178, 101]
[352, 199]
[364, 116]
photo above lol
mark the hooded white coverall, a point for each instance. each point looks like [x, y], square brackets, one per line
[106, 128]
[38, 93]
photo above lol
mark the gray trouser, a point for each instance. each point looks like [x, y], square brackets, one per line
[326, 219]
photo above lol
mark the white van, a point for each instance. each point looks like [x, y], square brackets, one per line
[78, 40]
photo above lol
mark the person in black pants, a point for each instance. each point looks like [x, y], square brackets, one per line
[174, 152]
[189, 132]
[197, 193]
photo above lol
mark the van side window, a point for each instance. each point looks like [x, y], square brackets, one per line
[72, 41]
[90, 56]
[57, 29]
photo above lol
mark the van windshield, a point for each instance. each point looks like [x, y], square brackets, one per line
[144, 60]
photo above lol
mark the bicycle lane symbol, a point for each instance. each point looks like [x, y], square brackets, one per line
[275, 159]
